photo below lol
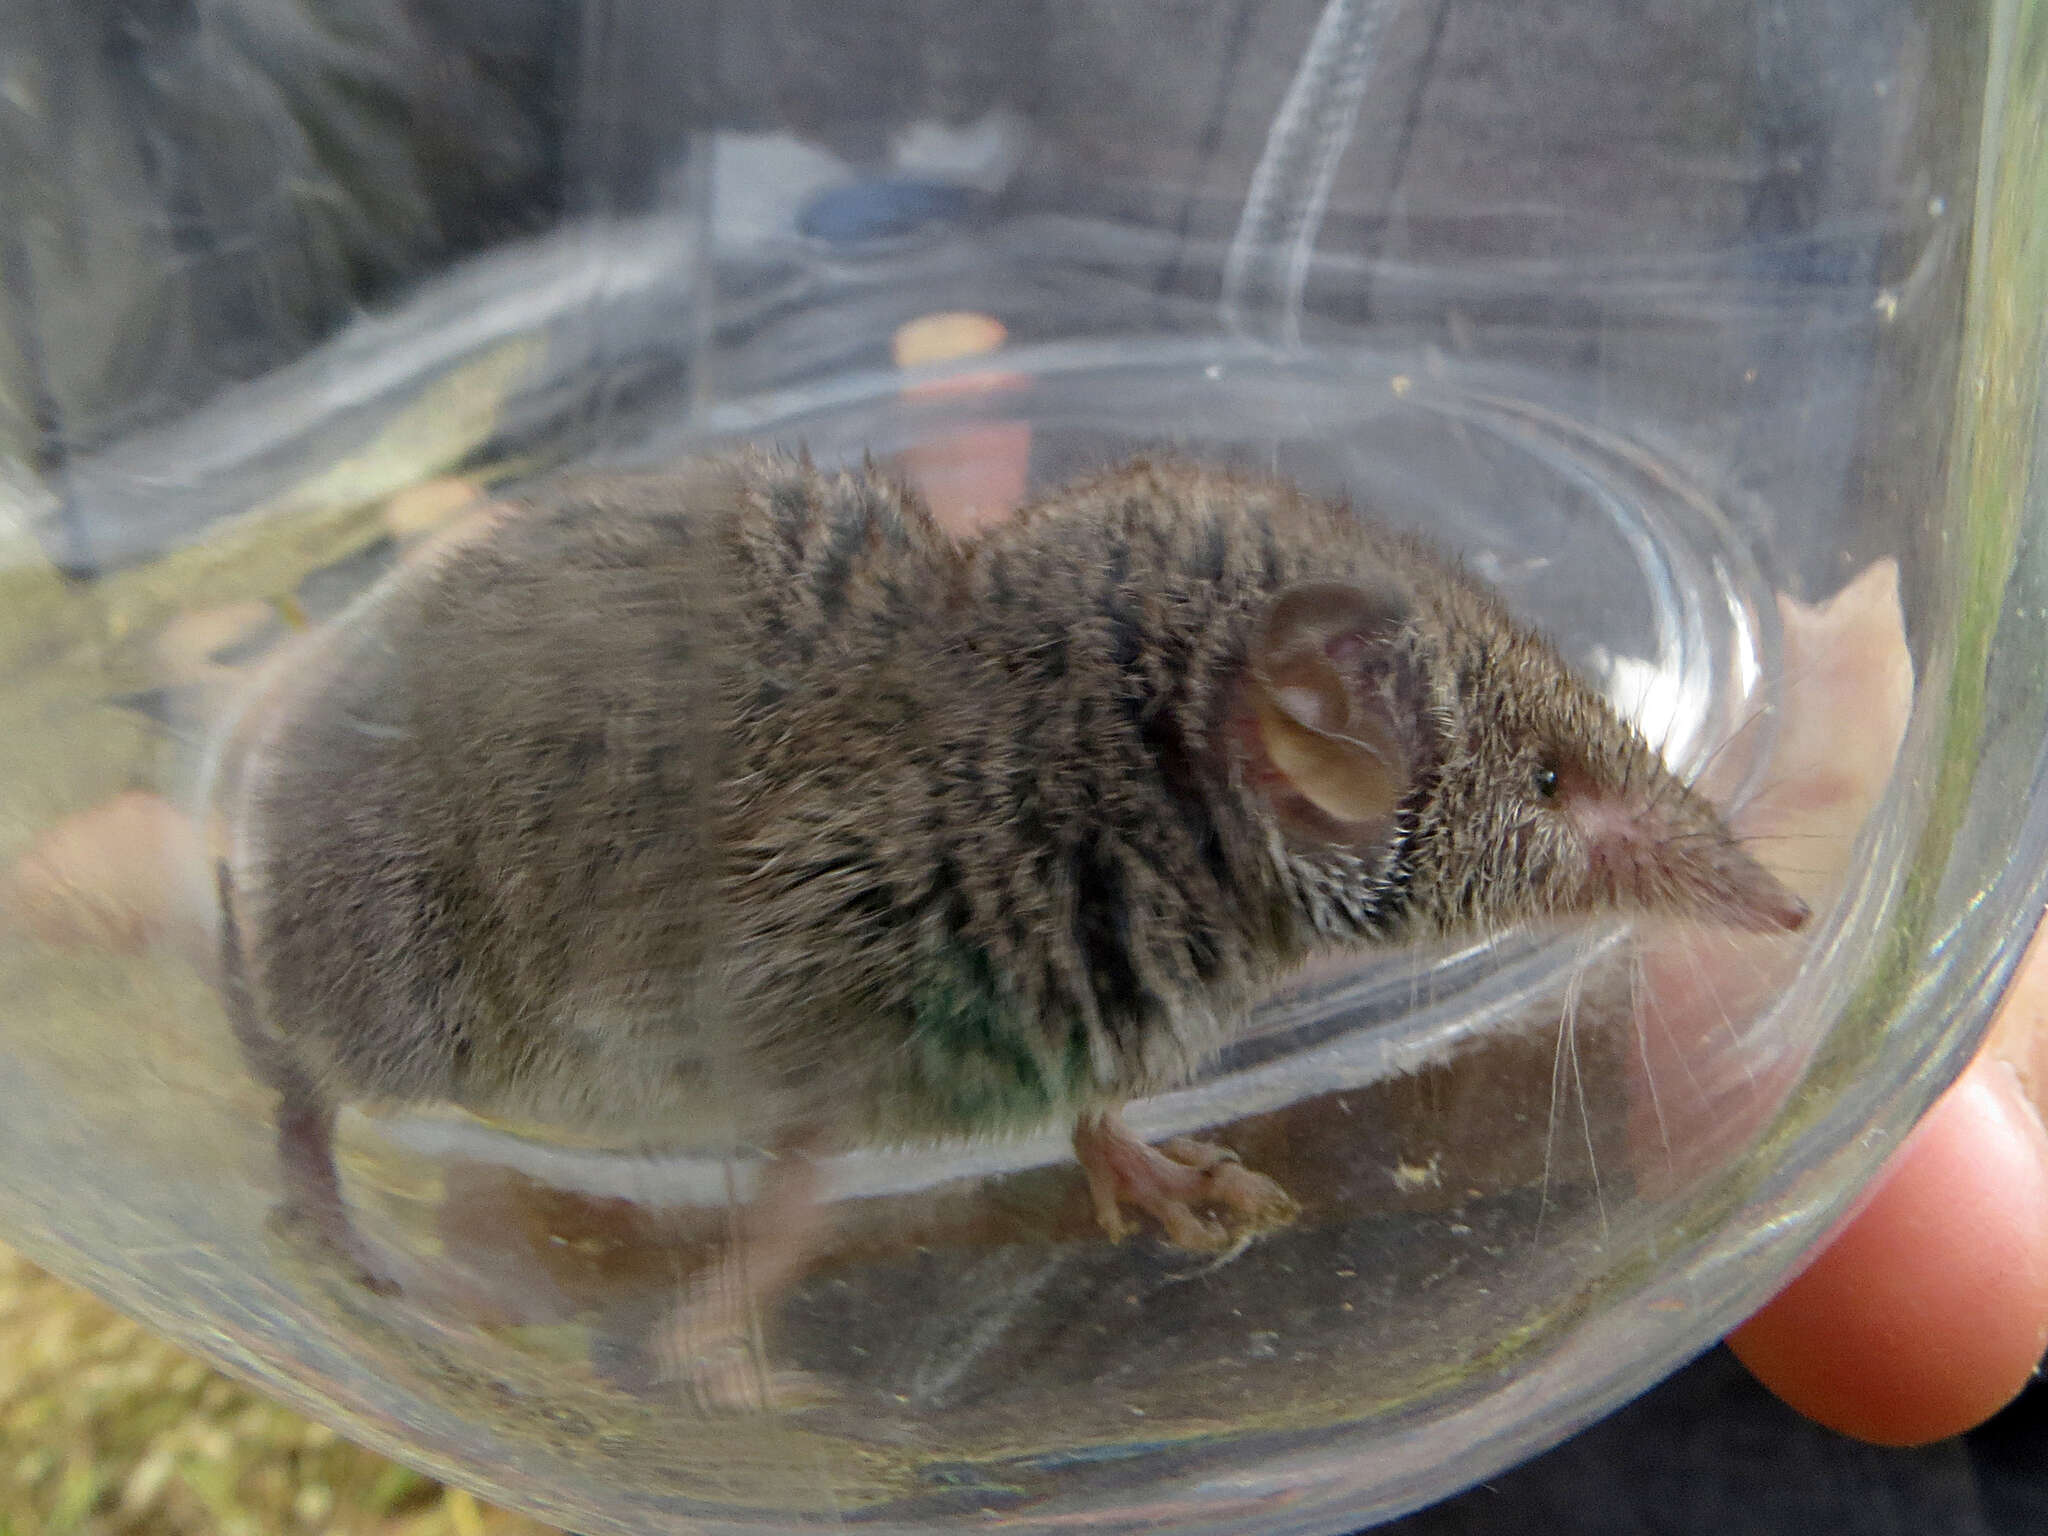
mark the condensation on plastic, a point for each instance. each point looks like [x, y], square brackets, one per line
[1701, 335]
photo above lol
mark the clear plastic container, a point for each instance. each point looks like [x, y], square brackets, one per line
[1711, 333]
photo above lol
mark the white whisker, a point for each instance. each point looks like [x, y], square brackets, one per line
[1574, 990]
[1727, 1020]
[1638, 994]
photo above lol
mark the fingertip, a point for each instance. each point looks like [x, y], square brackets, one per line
[1929, 1311]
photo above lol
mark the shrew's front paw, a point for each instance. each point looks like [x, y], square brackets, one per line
[1175, 1184]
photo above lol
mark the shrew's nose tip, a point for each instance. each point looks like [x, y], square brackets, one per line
[1785, 911]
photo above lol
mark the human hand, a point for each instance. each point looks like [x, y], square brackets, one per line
[1928, 1310]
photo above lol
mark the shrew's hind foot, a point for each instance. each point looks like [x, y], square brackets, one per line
[1175, 1183]
[710, 1343]
[721, 1368]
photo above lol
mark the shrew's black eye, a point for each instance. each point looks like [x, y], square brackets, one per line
[1544, 781]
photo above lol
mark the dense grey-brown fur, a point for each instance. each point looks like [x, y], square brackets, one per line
[744, 799]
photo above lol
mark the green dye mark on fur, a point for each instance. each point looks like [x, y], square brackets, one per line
[976, 1062]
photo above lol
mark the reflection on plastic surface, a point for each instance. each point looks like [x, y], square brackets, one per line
[1420, 1133]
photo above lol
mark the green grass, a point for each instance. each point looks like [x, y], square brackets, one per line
[106, 1430]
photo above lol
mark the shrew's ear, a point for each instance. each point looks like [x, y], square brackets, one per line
[1327, 701]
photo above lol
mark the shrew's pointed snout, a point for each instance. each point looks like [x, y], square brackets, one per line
[1730, 886]
[1773, 909]
[1660, 859]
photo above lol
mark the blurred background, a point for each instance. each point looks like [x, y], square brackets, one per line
[106, 1429]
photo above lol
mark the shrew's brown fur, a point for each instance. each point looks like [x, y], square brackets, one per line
[742, 797]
